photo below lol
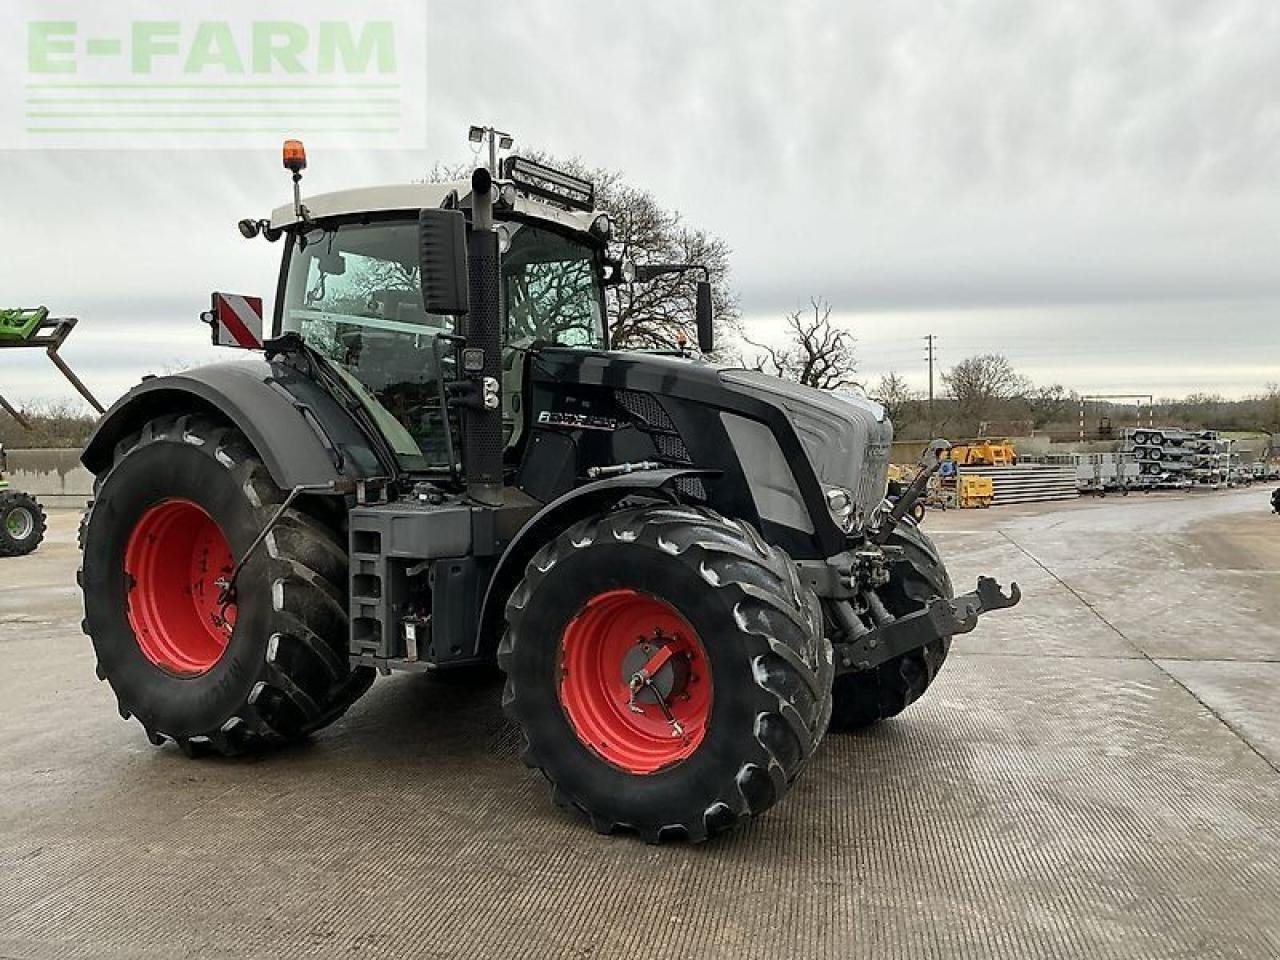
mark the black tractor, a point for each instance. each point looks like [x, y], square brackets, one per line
[435, 461]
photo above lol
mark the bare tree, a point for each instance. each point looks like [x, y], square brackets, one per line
[1269, 408]
[981, 383]
[659, 314]
[895, 395]
[816, 353]
[1048, 404]
[54, 423]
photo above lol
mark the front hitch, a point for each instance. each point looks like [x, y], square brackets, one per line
[867, 648]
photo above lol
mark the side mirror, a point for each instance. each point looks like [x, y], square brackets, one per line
[332, 264]
[442, 261]
[706, 335]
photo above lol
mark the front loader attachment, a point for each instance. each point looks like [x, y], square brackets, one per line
[32, 327]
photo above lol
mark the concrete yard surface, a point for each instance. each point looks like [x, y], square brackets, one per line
[1094, 774]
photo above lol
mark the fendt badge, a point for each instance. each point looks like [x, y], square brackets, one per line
[576, 421]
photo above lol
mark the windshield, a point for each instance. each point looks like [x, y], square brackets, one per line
[552, 290]
[353, 293]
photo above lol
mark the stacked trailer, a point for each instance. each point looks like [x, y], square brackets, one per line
[1260, 471]
[1239, 473]
[1173, 458]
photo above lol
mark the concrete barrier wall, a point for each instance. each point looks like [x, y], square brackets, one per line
[55, 476]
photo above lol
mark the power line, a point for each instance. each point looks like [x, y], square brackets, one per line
[929, 338]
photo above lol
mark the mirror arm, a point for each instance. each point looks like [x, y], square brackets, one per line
[649, 272]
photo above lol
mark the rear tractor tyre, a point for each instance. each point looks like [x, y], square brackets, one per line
[22, 524]
[740, 691]
[869, 696]
[184, 498]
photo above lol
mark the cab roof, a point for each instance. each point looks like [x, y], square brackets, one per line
[411, 197]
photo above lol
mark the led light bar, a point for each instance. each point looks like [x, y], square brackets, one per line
[548, 183]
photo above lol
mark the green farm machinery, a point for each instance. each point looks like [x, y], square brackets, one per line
[22, 519]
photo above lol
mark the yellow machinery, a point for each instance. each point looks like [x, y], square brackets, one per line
[974, 492]
[983, 453]
[900, 474]
[966, 492]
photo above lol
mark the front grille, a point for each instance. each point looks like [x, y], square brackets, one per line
[875, 473]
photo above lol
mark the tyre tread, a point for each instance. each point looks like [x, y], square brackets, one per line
[20, 548]
[294, 695]
[794, 663]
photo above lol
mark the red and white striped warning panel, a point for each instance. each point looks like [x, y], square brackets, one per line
[236, 321]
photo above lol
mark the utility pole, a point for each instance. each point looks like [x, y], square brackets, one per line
[929, 338]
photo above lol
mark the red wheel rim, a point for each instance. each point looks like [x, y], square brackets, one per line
[614, 636]
[177, 562]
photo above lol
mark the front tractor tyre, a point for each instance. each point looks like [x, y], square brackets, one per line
[668, 670]
[916, 576]
[212, 670]
[22, 524]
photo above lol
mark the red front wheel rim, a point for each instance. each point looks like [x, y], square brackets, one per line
[616, 635]
[176, 563]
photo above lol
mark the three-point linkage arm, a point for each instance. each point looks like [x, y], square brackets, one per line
[930, 461]
[864, 647]
[34, 329]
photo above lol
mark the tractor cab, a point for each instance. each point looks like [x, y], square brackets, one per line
[351, 287]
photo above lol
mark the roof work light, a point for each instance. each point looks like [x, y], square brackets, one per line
[295, 156]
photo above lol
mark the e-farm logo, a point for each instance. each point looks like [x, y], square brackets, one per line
[234, 73]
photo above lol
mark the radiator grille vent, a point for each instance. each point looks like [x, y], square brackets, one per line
[645, 408]
[670, 447]
[692, 488]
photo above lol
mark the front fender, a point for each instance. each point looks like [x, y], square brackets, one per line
[584, 501]
[302, 434]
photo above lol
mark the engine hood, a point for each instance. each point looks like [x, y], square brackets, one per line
[777, 447]
[846, 436]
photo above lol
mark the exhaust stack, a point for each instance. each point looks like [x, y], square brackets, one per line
[482, 355]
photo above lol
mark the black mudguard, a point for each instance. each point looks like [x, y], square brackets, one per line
[302, 434]
[587, 500]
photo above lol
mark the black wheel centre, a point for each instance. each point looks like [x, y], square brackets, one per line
[671, 678]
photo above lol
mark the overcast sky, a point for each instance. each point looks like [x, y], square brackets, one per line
[1089, 187]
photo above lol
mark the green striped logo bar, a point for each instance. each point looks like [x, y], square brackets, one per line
[235, 74]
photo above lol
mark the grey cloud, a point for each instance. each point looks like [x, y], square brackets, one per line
[932, 155]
